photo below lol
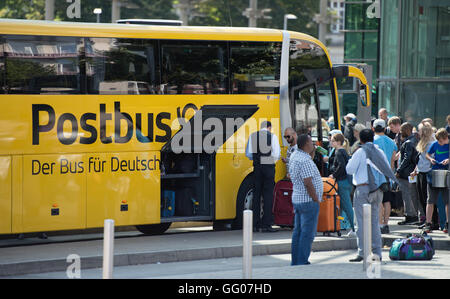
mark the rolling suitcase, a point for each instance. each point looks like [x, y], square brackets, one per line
[282, 209]
[168, 203]
[329, 219]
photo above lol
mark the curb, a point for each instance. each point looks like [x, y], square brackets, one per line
[181, 255]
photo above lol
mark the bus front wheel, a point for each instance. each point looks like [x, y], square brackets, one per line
[153, 229]
[243, 201]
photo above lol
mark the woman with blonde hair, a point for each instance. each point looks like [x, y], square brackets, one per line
[423, 167]
[338, 172]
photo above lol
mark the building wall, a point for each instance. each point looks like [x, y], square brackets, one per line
[414, 76]
[361, 46]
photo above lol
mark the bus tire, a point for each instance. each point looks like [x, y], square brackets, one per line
[221, 225]
[243, 201]
[153, 229]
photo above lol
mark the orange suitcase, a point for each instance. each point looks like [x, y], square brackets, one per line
[329, 219]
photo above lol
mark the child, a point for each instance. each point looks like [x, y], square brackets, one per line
[438, 155]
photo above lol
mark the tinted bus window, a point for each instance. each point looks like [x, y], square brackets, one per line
[42, 64]
[194, 67]
[308, 63]
[255, 67]
[120, 66]
[2, 68]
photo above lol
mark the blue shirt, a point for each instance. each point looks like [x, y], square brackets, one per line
[441, 152]
[387, 145]
[301, 166]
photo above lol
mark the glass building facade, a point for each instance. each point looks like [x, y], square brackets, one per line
[413, 59]
[360, 46]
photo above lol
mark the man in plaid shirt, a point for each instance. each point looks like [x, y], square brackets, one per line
[307, 193]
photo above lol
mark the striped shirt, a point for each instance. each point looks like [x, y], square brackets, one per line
[301, 166]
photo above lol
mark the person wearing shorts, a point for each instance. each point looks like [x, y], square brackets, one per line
[438, 155]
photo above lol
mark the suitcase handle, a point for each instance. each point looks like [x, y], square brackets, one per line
[333, 186]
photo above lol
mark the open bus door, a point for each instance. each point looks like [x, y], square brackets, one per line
[357, 86]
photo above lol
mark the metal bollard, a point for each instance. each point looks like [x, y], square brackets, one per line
[247, 244]
[367, 237]
[108, 249]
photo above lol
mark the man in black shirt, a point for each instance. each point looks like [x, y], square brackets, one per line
[406, 165]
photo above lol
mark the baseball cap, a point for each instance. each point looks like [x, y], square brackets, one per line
[379, 123]
[350, 115]
[332, 132]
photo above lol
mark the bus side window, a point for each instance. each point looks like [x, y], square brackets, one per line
[120, 66]
[194, 67]
[42, 65]
[2, 67]
[255, 67]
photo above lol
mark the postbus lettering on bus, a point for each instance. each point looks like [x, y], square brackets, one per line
[39, 128]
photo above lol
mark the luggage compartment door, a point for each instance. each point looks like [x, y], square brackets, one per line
[123, 186]
[54, 188]
[5, 195]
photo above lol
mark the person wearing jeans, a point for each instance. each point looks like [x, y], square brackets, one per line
[339, 173]
[305, 227]
[306, 195]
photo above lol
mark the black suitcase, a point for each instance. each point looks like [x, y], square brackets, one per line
[185, 202]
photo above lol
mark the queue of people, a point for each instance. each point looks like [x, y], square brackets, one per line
[370, 165]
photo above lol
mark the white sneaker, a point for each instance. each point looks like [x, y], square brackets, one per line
[351, 234]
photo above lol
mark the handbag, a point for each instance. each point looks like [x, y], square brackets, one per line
[385, 187]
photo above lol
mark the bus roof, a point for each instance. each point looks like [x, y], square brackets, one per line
[53, 28]
[150, 22]
[33, 27]
[37, 27]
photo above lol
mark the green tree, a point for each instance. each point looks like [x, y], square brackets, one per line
[229, 13]
[221, 13]
[35, 10]
[150, 9]
[22, 9]
[206, 12]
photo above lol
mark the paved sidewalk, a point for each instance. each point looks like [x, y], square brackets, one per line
[177, 245]
[324, 264]
[335, 265]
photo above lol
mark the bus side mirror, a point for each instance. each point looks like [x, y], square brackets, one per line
[340, 71]
[363, 94]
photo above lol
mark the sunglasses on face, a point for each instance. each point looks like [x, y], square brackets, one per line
[287, 136]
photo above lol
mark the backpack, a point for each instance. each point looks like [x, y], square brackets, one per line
[413, 247]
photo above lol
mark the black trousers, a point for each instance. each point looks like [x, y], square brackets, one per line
[264, 180]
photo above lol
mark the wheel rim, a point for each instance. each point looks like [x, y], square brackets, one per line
[248, 200]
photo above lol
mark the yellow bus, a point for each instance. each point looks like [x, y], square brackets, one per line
[89, 115]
